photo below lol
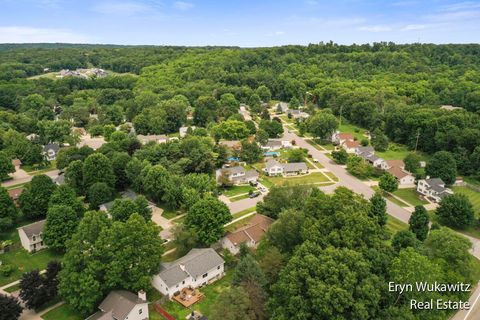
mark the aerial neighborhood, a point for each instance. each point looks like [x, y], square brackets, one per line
[214, 183]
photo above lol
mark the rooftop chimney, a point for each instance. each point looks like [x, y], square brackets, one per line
[142, 295]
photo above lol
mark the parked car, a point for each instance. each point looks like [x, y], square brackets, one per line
[253, 183]
[254, 194]
[315, 160]
[262, 189]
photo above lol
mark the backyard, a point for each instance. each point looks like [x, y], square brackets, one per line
[473, 195]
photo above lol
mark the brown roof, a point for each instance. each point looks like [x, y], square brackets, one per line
[396, 163]
[397, 172]
[352, 144]
[15, 193]
[345, 136]
[253, 231]
[16, 162]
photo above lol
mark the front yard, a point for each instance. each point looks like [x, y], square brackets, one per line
[311, 178]
[237, 190]
[63, 312]
[473, 195]
[411, 196]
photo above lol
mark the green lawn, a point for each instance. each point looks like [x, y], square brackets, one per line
[394, 152]
[394, 225]
[311, 178]
[267, 183]
[411, 196]
[353, 129]
[211, 293]
[37, 169]
[24, 261]
[63, 312]
[238, 198]
[390, 198]
[243, 212]
[332, 176]
[237, 190]
[168, 212]
[473, 195]
[13, 288]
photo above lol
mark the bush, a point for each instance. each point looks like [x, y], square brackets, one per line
[6, 270]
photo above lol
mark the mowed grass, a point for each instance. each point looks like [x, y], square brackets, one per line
[63, 312]
[237, 190]
[312, 178]
[211, 293]
[473, 195]
[243, 212]
[411, 196]
[357, 132]
[394, 225]
[22, 261]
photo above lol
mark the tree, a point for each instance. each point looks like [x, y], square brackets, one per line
[261, 137]
[357, 167]
[8, 210]
[254, 103]
[232, 304]
[340, 157]
[456, 211]
[412, 162]
[296, 155]
[60, 226]
[6, 165]
[206, 218]
[155, 182]
[31, 289]
[404, 239]
[442, 165]
[119, 164]
[74, 176]
[273, 128]
[251, 152]
[10, 308]
[322, 125]
[294, 103]
[36, 195]
[264, 93]
[248, 270]
[378, 208]
[379, 140]
[184, 239]
[281, 198]
[286, 233]
[98, 193]
[271, 262]
[419, 222]
[231, 130]
[98, 168]
[122, 209]
[64, 195]
[50, 281]
[388, 182]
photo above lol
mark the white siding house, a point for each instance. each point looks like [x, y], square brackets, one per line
[31, 236]
[122, 305]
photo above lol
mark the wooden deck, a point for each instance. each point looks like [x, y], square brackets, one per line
[188, 297]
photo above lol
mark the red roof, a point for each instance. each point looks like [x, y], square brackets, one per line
[253, 231]
[345, 136]
[352, 144]
[397, 172]
[15, 193]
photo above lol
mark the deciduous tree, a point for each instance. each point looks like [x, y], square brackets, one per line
[419, 222]
[36, 195]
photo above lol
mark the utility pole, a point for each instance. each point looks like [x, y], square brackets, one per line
[416, 143]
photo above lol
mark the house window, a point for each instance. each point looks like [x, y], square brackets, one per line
[205, 275]
[183, 282]
[33, 238]
[218, 268]
[140, 311]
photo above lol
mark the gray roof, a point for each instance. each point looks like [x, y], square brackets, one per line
[295, 166]
[60, 179]
[274, 143]
[195, 263]
[33, 229]
[272, 163]
[119, 303]
[51, 146]
[129, 194]
[248, 174]
[367, 149]
[236, 169]
[436, 184]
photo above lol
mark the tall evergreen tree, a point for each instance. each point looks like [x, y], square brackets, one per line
[378, 208]
[419, 222]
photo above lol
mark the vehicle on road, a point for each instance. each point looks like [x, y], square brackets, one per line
[254, 195]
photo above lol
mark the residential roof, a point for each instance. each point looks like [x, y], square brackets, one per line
[151, 137]
[352, 144]
[397, 172]
[15, 193]
[436, 184]
[248, 174]
[51, 146]
[255, 229]
[119, 303]
[60, 179]
[295, 166]
[129, 194]
[274, 143]
[16, 162]
[33, 229]
[345, 136]
[367, 149]
[195, 263]
[396, 163]
[230, 143]
[232, 170]
[272, 163]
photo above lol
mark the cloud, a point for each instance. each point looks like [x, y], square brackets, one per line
[279, 33]
[21, 34]
[181, 5]
[121, 8]
[375, 28]
[413, 27]
[311, 2]
[468, 5]
[454, 16]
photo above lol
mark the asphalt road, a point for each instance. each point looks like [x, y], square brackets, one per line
[52, 174]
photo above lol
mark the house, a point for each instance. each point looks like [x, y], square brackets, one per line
[122, 305]
[350, 145]
[31, 236]
[250, 234]
[15, 194]
[340, 137]
[395, 163]
[368, 155]
[157, 138]
[197, 268]
[433, 188]
[50, 151]
[124, 195]
[60, 179]
[237, 175]
[184, 130]
[276, 144]
[231, 144]
[33, 136]
[281, 107]
[365, 150]
[275, 168]
[403, 176]
[16, 163]
[297, 114]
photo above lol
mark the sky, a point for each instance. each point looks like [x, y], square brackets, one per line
[246, 23]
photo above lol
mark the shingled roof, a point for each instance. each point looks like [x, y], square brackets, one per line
[33, 229]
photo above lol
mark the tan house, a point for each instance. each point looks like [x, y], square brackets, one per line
[157, 138]
[31, 236]
[250, 234]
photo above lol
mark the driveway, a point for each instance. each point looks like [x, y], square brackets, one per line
[92, 142]
[163, 222]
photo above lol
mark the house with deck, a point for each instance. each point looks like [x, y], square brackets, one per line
[196, 269]
[434, 189]
[31, 236]
[122, 305]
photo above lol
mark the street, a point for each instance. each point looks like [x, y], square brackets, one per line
[26, 178]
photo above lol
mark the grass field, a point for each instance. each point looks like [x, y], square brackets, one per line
[237, 190]
[63, 312]
[411, 196]
[356, 131]
[243, 212]
[473, 195]
[211, 293]
[332, 176]
[238, 198]
[394, 225]
[37, 169]
[312, 178]
[168, 212]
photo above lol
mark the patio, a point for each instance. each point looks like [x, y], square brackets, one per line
[188, 297]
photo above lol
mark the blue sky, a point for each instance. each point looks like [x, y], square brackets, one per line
[245, 23]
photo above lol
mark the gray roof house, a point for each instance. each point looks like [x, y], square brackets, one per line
[237, 175]
[129, 194]
[367, 149]
[50, 151]
[433, 189]
[275, 168]
[31, 236]
[197, 268]
[122, 305]
[281, 107]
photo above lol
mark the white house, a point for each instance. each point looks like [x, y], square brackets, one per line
[340, 137]
[31, 236]
[281, 107]
[433, 188]
[122, 305]
[403, 176]
[196, 269]
[157, 138]
[368, 155]
[184, 130]
[237, 175]
[250, 234]
[276, 144]
[50, 151]
[350, 145]
[275, 168]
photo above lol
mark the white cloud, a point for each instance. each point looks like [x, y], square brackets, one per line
[375, 28]
[279, 33]
[181, 5]
[467, 5]
[454, 16]
[121, 8]
[413, 27]
[312, 2]
[21, 34]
